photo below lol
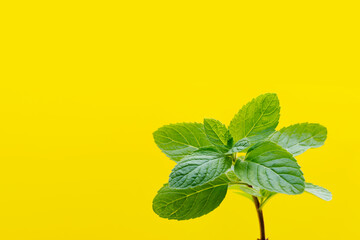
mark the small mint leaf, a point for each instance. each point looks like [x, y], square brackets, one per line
[257, 116]
[231, 175]
[217, 133]
[239, 146]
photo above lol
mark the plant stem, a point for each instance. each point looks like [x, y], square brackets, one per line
[234, 157]
[261, 218]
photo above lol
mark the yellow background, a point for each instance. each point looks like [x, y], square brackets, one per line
[83, 84]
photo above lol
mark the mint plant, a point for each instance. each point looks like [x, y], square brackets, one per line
[249, 156]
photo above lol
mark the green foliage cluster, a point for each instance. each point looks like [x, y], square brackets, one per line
[209, 162]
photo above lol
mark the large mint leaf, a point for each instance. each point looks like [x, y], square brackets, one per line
[259, 116]
[217, 133]
[202, 166]
[300, 137]
[269, 166]
[318, 191]
[181, 139]
[183, 204]
[239, 146]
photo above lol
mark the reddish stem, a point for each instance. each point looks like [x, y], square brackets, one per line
[261, 218]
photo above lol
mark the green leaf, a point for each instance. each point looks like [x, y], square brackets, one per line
[181, 139]
[318, 191]
[269, 166]
[217, 133]
[300, 137]
[261, 115]
[183, 204]
[199, 168]
[239, 146]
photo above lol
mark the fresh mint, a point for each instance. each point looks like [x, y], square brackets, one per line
[268, 166]
[300, 137]
[218, 134]
[249, 157]
[183, 204]
[203, 166]
[239, 146]
[256, 117]
[181, 139]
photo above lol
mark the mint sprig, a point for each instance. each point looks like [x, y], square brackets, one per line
[208, 163]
